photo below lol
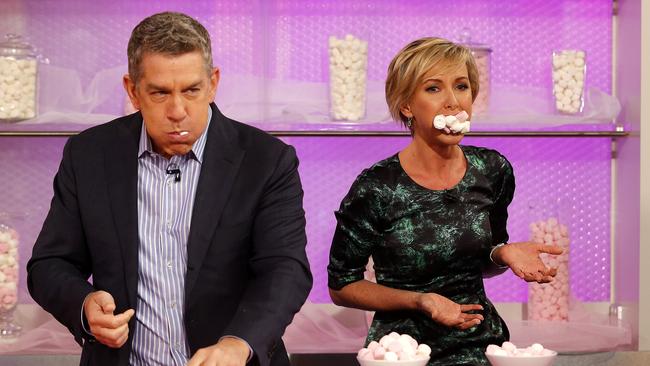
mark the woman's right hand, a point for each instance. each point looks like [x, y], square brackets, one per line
[446, 312]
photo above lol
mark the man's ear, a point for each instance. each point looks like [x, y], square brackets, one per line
[215, 75]
[130, 88]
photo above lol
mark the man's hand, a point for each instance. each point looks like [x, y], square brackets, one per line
[107, 328]
[523, 259]
[228, 351]
[446, 312]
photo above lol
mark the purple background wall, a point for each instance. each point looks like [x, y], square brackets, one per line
[287, 40]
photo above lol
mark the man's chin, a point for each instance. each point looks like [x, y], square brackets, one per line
[177, 149]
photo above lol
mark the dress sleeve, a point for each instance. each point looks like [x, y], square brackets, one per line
[356, 233]
[504, 188]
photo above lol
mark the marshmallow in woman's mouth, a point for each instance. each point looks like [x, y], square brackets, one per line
[453, 123]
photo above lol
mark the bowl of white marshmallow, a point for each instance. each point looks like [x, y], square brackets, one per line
[394, 349]
[509, 355]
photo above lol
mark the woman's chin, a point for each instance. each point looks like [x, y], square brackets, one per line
[450, 139]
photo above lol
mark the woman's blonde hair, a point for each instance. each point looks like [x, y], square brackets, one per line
[409, 66]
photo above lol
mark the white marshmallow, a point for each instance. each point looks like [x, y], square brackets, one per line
[439, 122]
[391, 356]
[348, 59]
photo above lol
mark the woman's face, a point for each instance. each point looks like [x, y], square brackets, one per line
[445, 89]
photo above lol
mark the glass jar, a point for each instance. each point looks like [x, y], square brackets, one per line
[348, 64]
[550, 301]
[569, 71]
[18, 73]
[483, 57]
[8, 279]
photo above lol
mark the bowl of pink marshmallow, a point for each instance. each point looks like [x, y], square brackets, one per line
[509, 355]
[394, 349]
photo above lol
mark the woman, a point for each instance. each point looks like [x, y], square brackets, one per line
[433, 217]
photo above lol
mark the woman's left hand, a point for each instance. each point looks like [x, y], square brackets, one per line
[524, 261]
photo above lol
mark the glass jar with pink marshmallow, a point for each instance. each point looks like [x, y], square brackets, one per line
[550, 301]
[8, 279]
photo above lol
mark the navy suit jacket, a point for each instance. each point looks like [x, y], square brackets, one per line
[247, 271]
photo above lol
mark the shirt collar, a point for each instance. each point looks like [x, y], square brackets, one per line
[145, 145]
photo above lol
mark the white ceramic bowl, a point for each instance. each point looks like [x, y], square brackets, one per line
[418, 362]
[521, 361]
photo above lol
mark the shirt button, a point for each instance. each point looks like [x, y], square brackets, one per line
[169, 264]
[169, 224]
[173, 305]
[169, 182]
[177, 345]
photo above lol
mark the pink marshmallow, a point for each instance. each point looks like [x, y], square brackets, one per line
[379, 353]
[372, 345]
[462, 116]
[395, 346]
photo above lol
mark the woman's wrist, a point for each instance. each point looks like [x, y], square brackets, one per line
[496, 255]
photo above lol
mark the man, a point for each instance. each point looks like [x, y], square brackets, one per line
[191, 224]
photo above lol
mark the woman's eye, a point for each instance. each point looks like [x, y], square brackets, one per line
[463, 86]
[432, 88]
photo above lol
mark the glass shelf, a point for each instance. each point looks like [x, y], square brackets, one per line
[335, 128]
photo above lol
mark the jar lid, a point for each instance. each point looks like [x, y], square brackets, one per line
[465, 38]
[15, 46]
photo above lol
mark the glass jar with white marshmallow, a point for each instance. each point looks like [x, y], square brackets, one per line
[569, 71]
[348, 63]
[18, 79]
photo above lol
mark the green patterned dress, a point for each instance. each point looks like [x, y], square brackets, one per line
[427, 241]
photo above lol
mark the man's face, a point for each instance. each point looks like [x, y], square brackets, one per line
[173, 94]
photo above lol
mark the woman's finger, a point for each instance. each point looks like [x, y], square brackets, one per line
[469, 307]
[550, 249]
[468, 317]
[519, 273]
[468, 324]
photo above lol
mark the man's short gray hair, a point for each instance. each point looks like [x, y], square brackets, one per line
[167, 33]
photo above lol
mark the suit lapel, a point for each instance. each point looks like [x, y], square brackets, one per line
[221, 160]
[121, 165]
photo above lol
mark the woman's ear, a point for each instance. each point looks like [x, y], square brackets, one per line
[406, 111]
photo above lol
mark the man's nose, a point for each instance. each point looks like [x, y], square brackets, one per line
[176, 108]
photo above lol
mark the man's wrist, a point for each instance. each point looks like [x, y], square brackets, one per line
[246, 348]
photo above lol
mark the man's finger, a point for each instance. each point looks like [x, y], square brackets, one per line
[124, 317]
[109, 333]
[107, 321]
[197, 359]
[105, 302]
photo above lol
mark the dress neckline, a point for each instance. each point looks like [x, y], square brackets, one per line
[454, 187]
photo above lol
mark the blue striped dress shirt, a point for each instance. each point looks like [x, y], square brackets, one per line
[164, 217]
